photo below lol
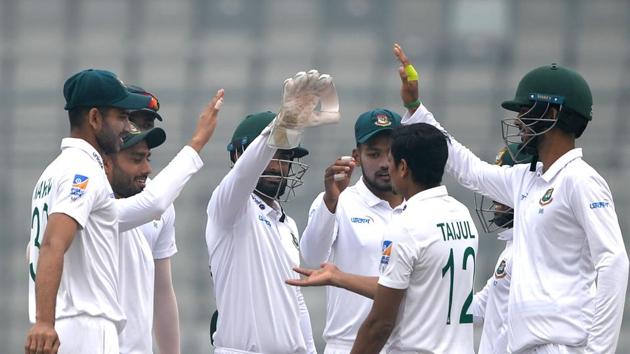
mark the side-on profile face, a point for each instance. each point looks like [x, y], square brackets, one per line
[373, 157]
[529, 125]
[115, 125]
[142, 119]
[130, 169]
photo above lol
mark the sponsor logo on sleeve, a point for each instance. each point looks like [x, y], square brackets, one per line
[598, 205]
[79, 186]
[386, 254]
[362, 220]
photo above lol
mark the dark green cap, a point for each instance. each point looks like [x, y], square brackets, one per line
[504, 158]
[154, 104]
[375, 121]
[553, 84]
[154, 137]
[100, 88]
[251, 127]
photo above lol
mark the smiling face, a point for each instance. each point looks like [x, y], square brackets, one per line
[130, 169]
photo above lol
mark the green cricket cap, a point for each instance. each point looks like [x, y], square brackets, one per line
[154, 137]
[154, 104]
[251, 127]
[375, 121]
[100, 88]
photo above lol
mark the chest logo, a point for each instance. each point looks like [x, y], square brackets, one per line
[546, 198]
[364, 220]
[500, 272]
[264, 220]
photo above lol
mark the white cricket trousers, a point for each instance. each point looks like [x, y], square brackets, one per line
[554, 349]
[87, 334]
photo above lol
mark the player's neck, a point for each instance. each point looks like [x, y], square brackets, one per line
[269, 201]
[89, 138]
[392, 198]
[553, 145]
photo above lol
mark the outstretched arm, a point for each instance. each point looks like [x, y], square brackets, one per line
[329, 274]
[168, 184]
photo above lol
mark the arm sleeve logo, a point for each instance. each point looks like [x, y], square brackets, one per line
[79, 186]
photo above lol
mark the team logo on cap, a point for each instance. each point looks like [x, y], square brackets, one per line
[382, 120]
[546, 198]
[500, 272]
[387, 253]
[79, 185]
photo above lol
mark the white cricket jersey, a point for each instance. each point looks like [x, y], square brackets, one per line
[351, 238]
[75, 184]
[253, 248]
[566, 235]
[429, 249]
[490, 305]
[137, 275]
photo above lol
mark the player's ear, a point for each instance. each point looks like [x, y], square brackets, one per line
[94, 119]
[356, 156]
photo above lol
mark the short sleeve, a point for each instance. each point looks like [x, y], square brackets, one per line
[165, 245]
[398, 259]
[76, 194]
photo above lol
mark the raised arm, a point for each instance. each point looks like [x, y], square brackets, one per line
[469, 171]
[321, 230]
[168, 184]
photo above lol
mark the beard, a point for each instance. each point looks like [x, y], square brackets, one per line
[378, 185]
[107, 139]
[123, 185]
[273, 188]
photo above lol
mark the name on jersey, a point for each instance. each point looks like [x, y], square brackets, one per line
[79, 185]
[455, 230]
[365, 220]
[43, 189]
[264, 220]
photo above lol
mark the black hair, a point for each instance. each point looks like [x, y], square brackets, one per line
[571, 122]
[77, 115]
[425, 150]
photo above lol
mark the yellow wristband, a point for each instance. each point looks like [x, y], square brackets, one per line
[412, 74]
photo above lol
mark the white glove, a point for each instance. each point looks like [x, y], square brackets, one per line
[301, 95]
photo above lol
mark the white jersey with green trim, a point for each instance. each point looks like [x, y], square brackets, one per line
[490, 304]
[253, 248]
[570, 269]
[75, 184]
[351, 238]
[433, 258]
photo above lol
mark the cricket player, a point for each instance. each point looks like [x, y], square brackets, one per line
[252, 243]
[73, 270]
[570, 267]
[423, 295]
[346, 224]
[142, 207]
[489, 306]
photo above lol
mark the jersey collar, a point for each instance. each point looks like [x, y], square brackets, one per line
[368, 197]
[84, 146]
[560, 163]
[435, 192]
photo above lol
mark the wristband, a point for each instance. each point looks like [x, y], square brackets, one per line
[413, 105]
[412, 74]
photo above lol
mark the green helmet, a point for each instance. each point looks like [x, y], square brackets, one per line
[492, 215]
[553, 84]
[251, 127]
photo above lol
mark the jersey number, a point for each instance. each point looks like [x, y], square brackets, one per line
[38, 225]
[464, 316]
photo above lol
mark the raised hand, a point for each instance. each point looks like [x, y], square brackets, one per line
[207, 122]
[409, 85]
[325, 275]
[301, 95]
[336, 179]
